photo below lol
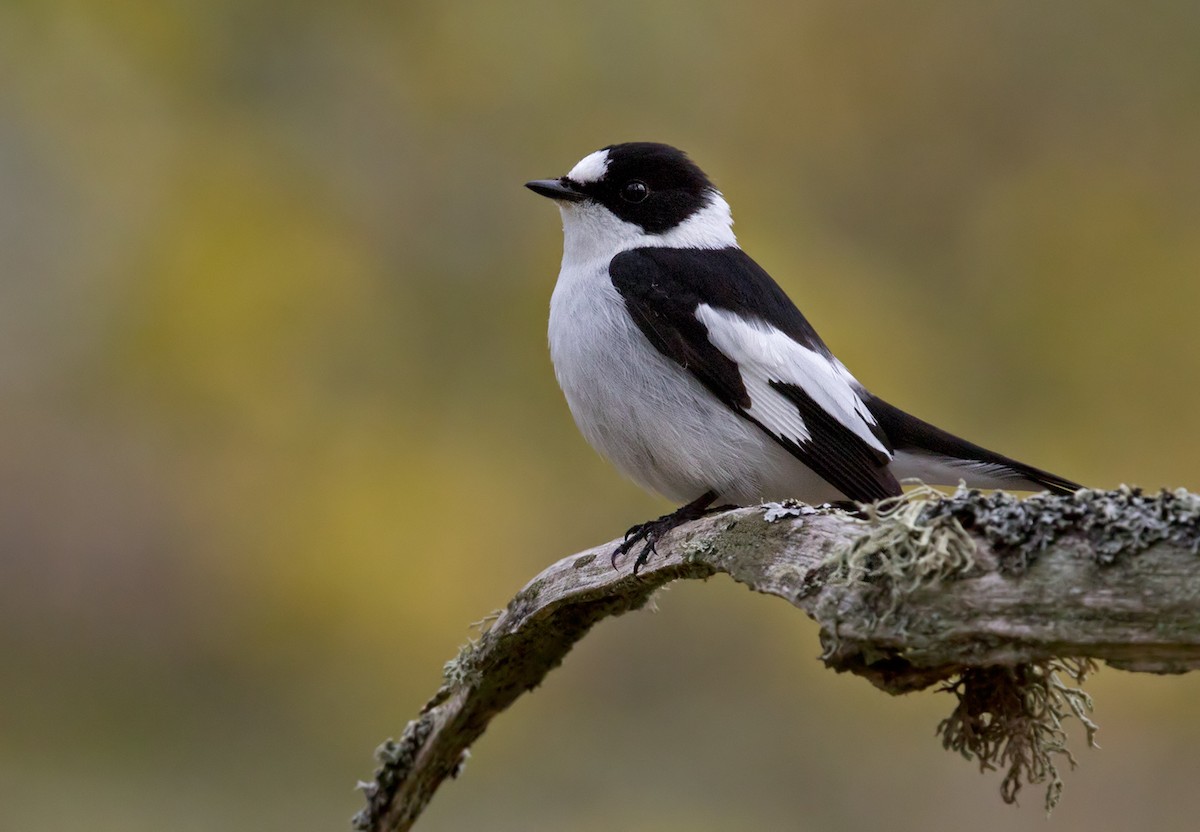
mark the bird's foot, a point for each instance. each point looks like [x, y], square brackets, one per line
[652, 531]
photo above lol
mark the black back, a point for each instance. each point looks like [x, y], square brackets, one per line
[725, 278]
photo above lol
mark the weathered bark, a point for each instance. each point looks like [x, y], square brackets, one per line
[919, 594]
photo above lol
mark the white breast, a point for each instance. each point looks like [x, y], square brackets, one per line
[648, 415]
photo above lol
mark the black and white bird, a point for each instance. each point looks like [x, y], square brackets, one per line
[688, 367]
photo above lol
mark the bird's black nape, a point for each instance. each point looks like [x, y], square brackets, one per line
[654, 530]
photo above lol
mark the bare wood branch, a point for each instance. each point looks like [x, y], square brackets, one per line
[905, 600]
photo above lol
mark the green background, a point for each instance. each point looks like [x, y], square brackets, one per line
[279, 420]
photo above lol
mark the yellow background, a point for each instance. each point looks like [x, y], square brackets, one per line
[279, 420]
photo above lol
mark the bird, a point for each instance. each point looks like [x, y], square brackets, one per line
[687, 366]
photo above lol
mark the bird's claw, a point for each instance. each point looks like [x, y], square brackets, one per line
[653, 530]
[641, 532]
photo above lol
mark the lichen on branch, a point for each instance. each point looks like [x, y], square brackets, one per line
[987, 596]
[1011, 718]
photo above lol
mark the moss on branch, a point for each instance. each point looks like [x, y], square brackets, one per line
[994, 599]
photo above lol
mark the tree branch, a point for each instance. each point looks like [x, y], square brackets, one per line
[983, 594]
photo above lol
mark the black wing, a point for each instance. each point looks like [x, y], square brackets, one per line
[961, 459]
[795, 391]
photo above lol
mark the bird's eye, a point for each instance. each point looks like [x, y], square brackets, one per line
[635, 191]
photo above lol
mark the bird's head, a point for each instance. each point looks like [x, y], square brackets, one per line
[638, 194]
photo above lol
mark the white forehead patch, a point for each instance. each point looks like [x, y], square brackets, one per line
[591, 168]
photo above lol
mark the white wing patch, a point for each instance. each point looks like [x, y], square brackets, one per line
[765, 354]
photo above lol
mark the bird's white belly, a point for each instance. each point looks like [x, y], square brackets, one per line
[649, 416]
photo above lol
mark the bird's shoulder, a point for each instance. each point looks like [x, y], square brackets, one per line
[719, 314]
[679, 280]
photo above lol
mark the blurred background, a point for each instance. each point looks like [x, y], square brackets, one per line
[279, 420]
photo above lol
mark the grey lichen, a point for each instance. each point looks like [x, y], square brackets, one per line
[462, 670]
[696, 550]
[1011, 718]
[774, 512]
[922, 537]
[1007, 718]
[857, 580]
[904, 547]
[1117, 524]
[396, 759]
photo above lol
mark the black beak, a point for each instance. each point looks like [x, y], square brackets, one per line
[557, 189]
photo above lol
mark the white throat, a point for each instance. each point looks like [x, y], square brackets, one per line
[591, 231]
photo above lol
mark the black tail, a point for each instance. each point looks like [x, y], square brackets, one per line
[941, 458]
